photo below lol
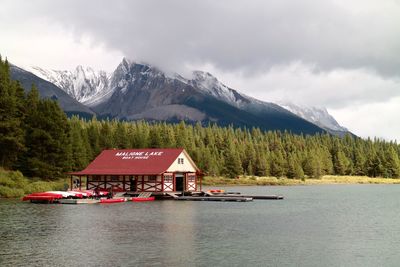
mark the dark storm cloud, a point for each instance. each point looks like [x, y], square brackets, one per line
[238, 35]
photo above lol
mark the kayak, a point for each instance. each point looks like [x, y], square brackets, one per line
[112, 200]
[142, 199]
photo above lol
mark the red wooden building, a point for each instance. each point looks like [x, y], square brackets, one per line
[141, 170]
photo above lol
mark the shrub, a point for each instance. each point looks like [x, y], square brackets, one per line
[10, 192]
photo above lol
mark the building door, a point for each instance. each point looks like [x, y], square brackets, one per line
[179, 182]
[132, 181]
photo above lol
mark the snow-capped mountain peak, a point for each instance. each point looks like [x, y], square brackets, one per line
[140, 84]
[317, 115]
[82, 83]
[211, 85]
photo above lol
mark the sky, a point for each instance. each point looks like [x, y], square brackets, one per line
[338, 54]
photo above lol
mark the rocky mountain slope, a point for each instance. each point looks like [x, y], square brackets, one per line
[140, 91]
[317, 115]
[49, 90]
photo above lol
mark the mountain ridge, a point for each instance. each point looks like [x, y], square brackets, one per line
[141, 91]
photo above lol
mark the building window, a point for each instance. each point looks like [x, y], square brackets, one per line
[168, 178]
[95, 178]
[191, 178]
[152, 178]
[180, 160]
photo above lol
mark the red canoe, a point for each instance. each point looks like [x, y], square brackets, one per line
[42, 197]
[112, 200]
[141, 199]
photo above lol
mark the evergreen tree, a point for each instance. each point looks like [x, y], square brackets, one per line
[106, 136]
[47, 139]
[341, 163]
[232, 163]
[359, 162]
[121, 135]
[11, 116]
[93, 135]
[291, 167]
[79, 153]
[392, 164]
[277, 168]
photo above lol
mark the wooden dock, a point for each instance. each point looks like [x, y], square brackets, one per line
[238, 194]
[273, 197]
[213, 198]
[183, 196]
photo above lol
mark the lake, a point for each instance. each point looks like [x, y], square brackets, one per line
[327, 225]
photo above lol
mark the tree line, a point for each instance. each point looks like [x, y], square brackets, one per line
[38, 139]
[34, 133]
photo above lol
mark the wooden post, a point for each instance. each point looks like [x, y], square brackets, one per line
[200, 178]
[123, 183]
[173, 182]
[70, 183]
[185, 181]
[162, 182]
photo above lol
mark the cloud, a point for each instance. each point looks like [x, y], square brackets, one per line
[335, 53]
[36, 41]
[302, 84]
[237, 35]
[372, 120]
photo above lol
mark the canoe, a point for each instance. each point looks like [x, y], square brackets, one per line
[142, 199]
[66, 194]
[42, 197]
[112, 200]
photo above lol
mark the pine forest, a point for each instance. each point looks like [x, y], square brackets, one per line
[38, 139]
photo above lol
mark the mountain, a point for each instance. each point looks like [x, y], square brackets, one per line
[83, 84]
[317, 115]
[49, 90]
[137, 91]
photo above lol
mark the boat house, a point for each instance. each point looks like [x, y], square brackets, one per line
[141, 170]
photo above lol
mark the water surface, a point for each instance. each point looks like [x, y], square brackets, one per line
[327, 225]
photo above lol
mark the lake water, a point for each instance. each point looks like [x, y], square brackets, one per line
[329, 225]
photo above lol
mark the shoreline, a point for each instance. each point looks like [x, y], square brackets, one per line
[273, 181]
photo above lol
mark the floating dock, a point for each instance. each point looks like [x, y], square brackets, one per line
[219, 198]
[272, 197]
[211, 195]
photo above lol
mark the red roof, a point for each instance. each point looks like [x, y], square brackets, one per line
[132, 161]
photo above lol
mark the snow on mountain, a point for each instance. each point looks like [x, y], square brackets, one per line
[317, 115]
[95, 88]
[208, 83]
[84, 84]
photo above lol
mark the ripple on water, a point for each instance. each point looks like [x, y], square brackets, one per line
[339, 225]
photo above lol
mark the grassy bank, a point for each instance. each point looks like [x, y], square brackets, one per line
[14, 184]
[327, 179]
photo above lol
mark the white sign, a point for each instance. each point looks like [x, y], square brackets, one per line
[138, 155]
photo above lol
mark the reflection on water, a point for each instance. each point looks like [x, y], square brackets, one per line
[178, 233]
[343, 225]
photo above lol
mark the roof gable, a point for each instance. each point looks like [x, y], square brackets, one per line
[132, 161]
[186, 164]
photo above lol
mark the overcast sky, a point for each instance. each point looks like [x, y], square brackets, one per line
[340, 54]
